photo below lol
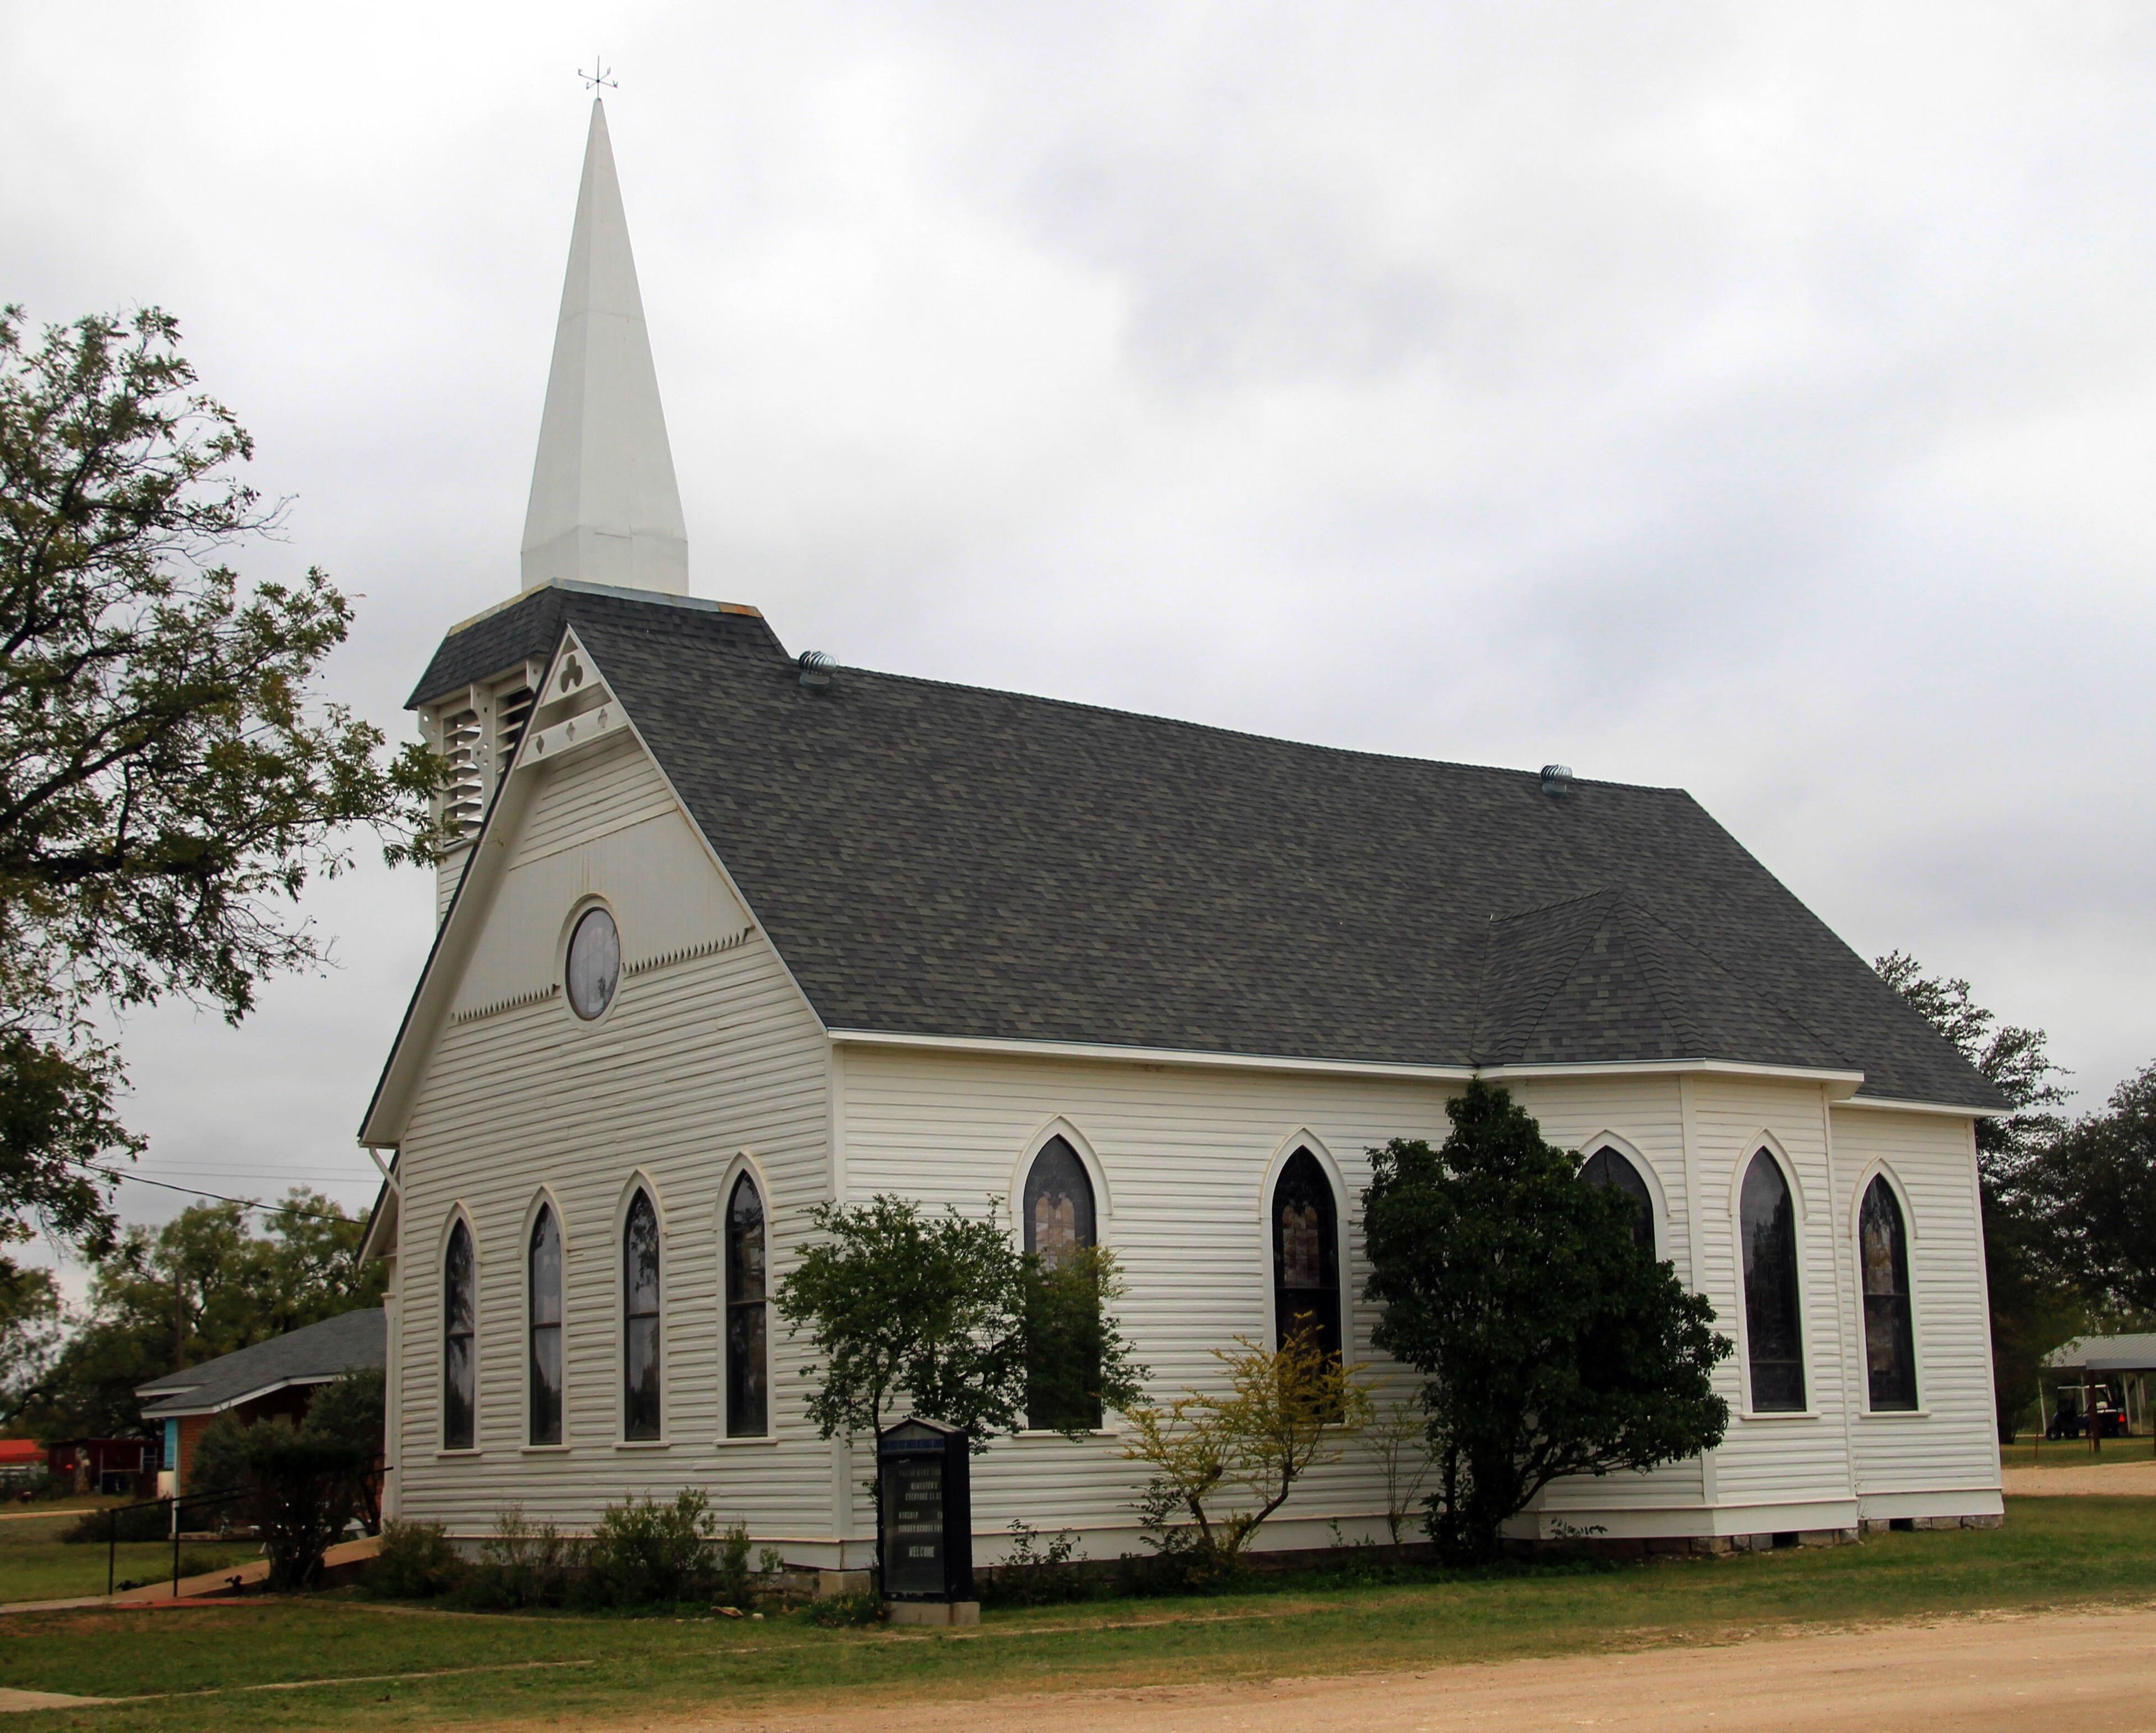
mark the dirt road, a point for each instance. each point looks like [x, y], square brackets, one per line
[2088, 1479]
[1972, 1675]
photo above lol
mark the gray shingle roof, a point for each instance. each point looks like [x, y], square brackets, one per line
[946, 860]
[318, 1351]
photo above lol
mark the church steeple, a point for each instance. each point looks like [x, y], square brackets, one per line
[604, 505]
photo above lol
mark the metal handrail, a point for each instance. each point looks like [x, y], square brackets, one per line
[114, 1513]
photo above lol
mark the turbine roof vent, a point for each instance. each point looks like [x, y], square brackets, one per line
[1557, 780]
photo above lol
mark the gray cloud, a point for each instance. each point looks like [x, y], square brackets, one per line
[1756, 400]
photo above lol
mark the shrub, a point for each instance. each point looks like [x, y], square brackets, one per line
[1222, 1464]
[350, 1410]
[733, 1582]
[304, 1489]
[865, 1608]
[416, 1563]
[148, 1522]
[1032, 1575]
[218, 1464]
[645, 1551]
[523, 1564]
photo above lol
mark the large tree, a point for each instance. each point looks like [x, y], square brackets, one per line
[170, 779]
[205, 1283]
[2034, 1307]
[1550, 1342]
[2102, 1184]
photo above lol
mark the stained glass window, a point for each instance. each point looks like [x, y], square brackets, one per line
[1063, 1333]
[1607, 1166]
[1890, 1346]
[639, 1257]
[1059, 1203]
[460, 1404]
[748, 1403]
[1773, 1331]
[545, 1265]
[1306, 1253]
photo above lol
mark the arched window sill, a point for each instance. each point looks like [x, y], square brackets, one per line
[1894, 1414]
[643, 1443]
[750, 1440]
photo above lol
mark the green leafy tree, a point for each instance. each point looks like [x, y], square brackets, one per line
[30, 1321]
[205, 1283]
[911, 1311]
[1548, 1342]
[1077, 1365]
[2102, 1187]
[169, 780]
[2034, 1306]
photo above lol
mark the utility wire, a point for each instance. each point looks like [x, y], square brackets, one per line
[268, 1209]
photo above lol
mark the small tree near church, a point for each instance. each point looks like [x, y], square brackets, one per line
[1549, 1343]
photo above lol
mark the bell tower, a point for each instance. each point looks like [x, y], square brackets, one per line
[605, 510]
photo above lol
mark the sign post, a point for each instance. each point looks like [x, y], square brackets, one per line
[925, 1521]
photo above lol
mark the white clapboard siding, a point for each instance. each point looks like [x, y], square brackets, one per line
[1951, 1443]
[708, 1053]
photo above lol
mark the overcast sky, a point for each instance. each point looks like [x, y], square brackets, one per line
[1757, 400]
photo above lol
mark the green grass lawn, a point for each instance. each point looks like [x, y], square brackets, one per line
[2050, 1552]
[2074, 1453]
[36, 1565]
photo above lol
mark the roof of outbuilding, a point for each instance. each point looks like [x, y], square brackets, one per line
[2105, 1353]
[310, 1355]
[946, 860]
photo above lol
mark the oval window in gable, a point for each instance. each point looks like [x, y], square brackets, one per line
[594, 968]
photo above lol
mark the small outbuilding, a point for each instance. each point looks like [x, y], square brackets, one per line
[278, 1376]
[2118, 1367]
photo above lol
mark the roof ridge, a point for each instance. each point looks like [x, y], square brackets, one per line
[1558, 981]
[1759, 993]
[1220, 729]
[1583, 896]
[1666, 1001]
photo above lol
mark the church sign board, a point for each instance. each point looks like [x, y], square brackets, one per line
[925, 1510]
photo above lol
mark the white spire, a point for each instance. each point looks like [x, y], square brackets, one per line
[604, 505]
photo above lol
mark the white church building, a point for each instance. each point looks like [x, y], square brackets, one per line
[732, 932]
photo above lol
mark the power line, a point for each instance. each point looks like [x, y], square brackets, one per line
[267, 1209]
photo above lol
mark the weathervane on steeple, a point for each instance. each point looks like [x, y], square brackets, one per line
[594, 79]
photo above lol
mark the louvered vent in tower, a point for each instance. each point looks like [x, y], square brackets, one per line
[464, 801]
[512, 710]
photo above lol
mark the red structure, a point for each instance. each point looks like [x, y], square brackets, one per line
[106, 1465]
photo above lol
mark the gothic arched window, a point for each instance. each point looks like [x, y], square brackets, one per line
[639, 1339]
[1607, 1167]
[1890, 1345]
[1063, 1333]
[544, 1326]
[459, 1372]
[748, 1383]
[1306, 1224]
[1774, 1331]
